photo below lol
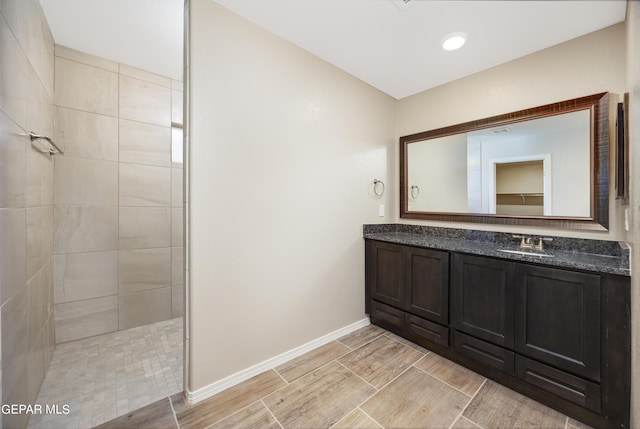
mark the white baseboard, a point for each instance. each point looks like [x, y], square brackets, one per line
[239, 377]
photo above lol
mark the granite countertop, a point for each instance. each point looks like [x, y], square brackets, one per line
[600, 256]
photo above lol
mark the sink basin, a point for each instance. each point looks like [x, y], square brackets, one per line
[523, 252]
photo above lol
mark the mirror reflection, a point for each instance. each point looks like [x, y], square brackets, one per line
[540, 167]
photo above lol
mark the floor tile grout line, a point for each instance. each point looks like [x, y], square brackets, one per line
[383, 333]
[470, 401]
[368, 415]
[315, 369]
[173, 410]
[460, 417]
[412, 345]
[354, 373]
[349, 347]
[215, 422]
[284, 379]
[450, 385]
[400, 373]
[381, 388]
[270, 412]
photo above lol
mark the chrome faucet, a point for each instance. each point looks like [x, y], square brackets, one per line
[528, 242]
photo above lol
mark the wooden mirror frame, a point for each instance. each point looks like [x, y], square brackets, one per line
[599, 216]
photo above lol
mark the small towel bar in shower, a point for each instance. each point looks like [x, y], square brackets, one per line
[52, 151]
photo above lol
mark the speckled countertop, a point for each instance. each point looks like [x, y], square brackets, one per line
[583, 254]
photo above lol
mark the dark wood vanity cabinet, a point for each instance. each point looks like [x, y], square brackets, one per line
[557, 335]
[409, 290]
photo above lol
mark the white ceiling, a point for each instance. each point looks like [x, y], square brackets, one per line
[393, 48]
[143, 33]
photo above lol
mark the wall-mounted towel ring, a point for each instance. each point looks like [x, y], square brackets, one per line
[415, 192]
[52, 150]
[378, 190]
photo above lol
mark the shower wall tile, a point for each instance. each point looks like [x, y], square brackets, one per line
[144, 227]
[144, 101]
[36, 368]
[176, 187]
[26, 198]
[39, 238]
[12, 164]
[144, 185]
[15, 341]
[84, 87]
[86, 135]
[81, 319]
[39, 180]
[142, 143]
[145, 269]
[39, 106]
[142, 308]
[85, 181]
[39, 45]
[13, 252]
[177, 301]
[14, 76]
[16, 15]
[83, 57]
[84, 229]
[177, 266]
[176, 227]
[147, 76]
[113, 190]
[79, 276]
[38, 303]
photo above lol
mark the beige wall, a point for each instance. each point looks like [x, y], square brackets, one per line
[26, 203]
[284, 151]
[633, 236]
[117, 197]
[283, 148]
[587, 65]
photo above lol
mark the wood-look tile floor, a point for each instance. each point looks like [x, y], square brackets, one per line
[370, 378]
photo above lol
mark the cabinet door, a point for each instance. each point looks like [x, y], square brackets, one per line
[558, 318]
[483, 298]
[387, 271]
[427, 284]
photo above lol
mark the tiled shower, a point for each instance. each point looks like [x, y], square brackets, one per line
[90, 240]
[117, 212]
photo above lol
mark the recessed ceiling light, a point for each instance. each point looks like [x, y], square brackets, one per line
[454, 41]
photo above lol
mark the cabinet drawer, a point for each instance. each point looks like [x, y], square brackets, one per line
[419, 329]
[387, 317]
[484, 352]
[567, 386]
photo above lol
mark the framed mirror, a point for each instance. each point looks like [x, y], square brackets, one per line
[544, 166]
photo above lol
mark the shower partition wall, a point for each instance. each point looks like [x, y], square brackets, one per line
[26, 204]
[117, 260]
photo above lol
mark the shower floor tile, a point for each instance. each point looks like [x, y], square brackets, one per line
[94, 380]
